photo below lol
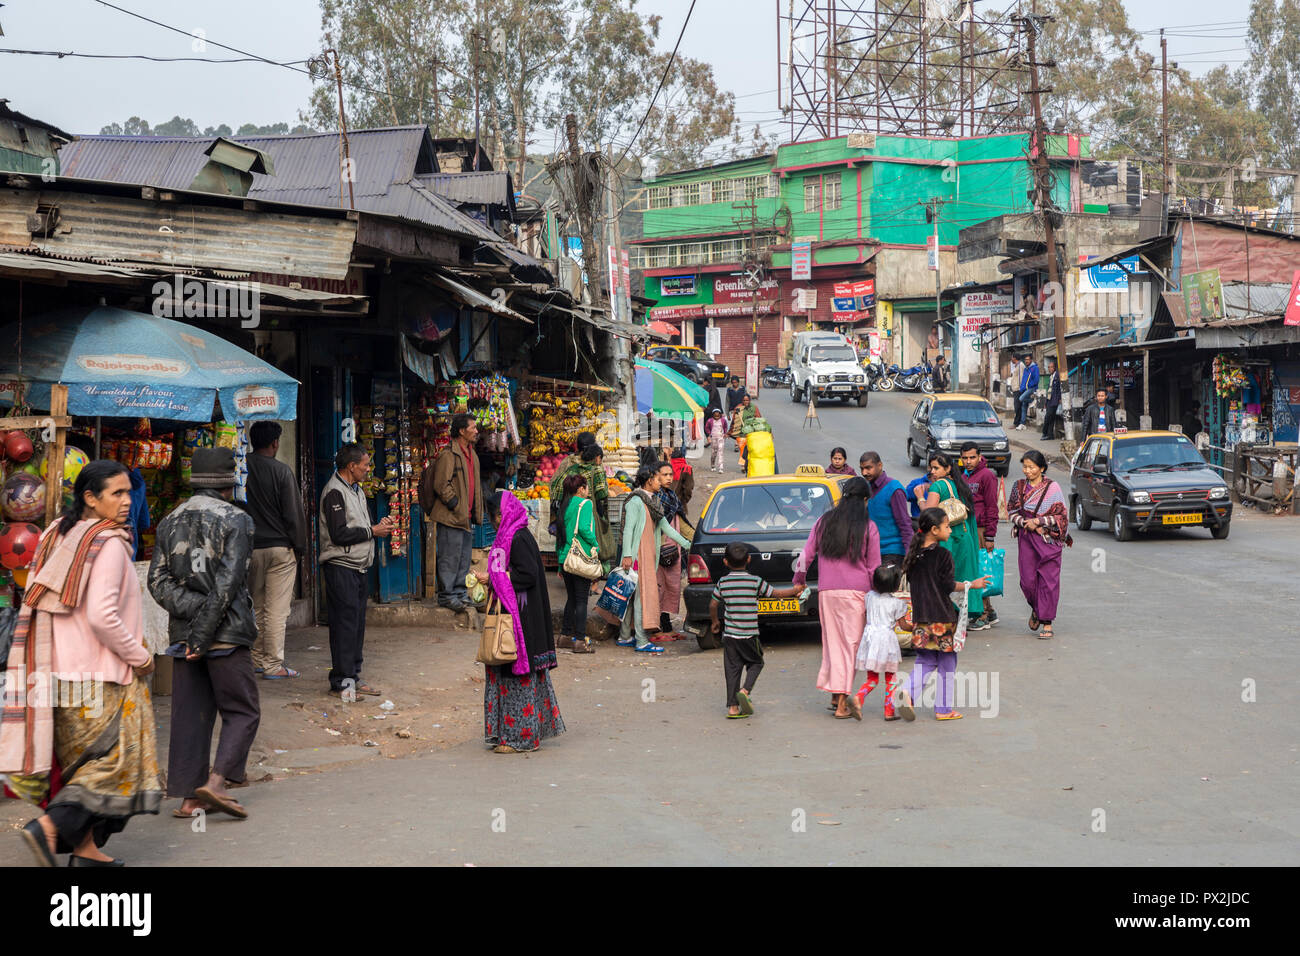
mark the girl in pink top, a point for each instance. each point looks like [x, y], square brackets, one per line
[846, 546]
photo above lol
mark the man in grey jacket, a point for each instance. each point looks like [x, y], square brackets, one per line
[199, 576]
[347, 550]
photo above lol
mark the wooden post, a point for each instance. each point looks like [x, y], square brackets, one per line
[54, 452]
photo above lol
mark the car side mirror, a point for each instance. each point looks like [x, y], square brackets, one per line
[1101, 466]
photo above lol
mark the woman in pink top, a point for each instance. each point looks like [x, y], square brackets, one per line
[79, 639]
[846, 546]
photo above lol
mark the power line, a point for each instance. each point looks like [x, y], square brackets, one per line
[140, 56]
[667, 67]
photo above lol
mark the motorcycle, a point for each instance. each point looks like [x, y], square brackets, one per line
[918, 378]
[888, 380]
[775, 377]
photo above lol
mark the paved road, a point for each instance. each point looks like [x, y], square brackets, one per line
[1125, 741]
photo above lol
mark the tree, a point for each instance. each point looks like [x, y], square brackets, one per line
[1273, 39]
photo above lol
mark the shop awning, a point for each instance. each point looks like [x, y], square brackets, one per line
[473, 298]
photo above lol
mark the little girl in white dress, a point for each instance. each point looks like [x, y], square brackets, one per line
[878, 651]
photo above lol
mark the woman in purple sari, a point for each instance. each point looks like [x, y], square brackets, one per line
[519, 705]
[1040, 523]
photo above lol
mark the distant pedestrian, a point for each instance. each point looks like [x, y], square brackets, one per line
[1027, 389]
[1052, 409]
[279, 540]
[839, 463]
[683, 483]
[879, 652]
[1099, 415]
[1041, 527]
[668, 574]
[75, 698]
[932, 584]
[846, 546]
[737, 593]
[717, 432]
[577, 522]
[1192, 421]
[347, 550]
[644, 526]
[453, 497]
[942, 374]
[199, 576]
[888, 508]
[1012, 382]
[734, 394]
[983, 484]
[520, 709]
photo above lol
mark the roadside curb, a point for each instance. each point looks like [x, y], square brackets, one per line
[1053, 457]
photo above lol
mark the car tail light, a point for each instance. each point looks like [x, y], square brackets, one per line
[697, 572]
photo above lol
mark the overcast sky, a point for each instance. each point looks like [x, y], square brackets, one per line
[83, 95]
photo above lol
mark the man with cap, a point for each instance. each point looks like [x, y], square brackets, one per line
[347, 550]
[199, 576]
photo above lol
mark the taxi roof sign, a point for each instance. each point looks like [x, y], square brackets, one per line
[810, 470]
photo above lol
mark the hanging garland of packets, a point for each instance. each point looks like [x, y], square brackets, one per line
[1228, 378]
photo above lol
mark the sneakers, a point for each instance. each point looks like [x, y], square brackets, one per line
[991, 615]
[980, 623]
[1020, 428]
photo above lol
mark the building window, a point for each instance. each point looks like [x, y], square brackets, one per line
[821, 193]
[736, 189]
[696, 253]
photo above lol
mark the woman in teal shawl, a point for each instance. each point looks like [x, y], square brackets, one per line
[946, 482]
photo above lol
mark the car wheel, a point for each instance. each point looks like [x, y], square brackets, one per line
[1118, 529]
[794, 392]
[913, 458]
[808, 394]
[707, 639]
[862, 400]
[1221, 531]
[1080, 516]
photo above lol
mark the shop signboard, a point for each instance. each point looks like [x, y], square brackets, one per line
[801, 259]
[1203, 295]
[677, 285]
[864, 290]
[713, 339]
[932, 253]
[675, 313]
[732, 288]
[805, 300]
[844, 300]
[1111, 277]
[1292, 316]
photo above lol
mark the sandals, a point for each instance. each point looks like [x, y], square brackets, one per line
[951, 715]
[854, 705]
[904, 705]
[745, 704]
[284, 674]
[224, 804]
[1047, 633]
[367, 690]
[649, 649]
[582, 647]
[737, 716]
[1033, 621]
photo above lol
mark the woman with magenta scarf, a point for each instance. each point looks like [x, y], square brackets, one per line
[519, 705]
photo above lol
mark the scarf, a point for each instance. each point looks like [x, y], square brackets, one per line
[513, 517]
[654, 508]
[669, 503]
[57, 584]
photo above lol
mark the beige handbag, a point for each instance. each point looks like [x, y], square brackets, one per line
[953, 507]
[497, 645]
[578, 562]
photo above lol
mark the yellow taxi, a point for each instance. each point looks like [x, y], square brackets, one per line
[773, 514]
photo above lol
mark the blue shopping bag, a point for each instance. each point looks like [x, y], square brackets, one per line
[616, 595]
[991, 566]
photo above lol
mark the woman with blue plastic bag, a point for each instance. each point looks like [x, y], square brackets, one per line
[644, 526]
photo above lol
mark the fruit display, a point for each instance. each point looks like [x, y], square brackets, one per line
[617, 487]
[18, 544]
[558, 412]
[23, 497]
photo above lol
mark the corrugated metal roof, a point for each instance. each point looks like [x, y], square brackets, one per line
[482, 187]
[1268, 298]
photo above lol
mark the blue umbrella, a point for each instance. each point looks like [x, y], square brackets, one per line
[124, 364]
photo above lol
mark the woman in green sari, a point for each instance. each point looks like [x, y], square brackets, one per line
[947, 483]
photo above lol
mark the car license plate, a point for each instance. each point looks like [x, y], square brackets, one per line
[719, 375]
[840, 388]
[788, 606]
[1181, 519]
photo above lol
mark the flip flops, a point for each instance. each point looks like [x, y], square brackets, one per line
[854, 705]
[745, 704]
[287, 672]
[223, 804]
[904, 705]
[649, 649]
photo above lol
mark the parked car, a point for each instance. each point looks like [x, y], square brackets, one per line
[694, 363]
[1136, 481]
[773, 515]
[946, 422]
[825, 365]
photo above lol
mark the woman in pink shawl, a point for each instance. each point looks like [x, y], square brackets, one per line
[519, 705]
[1041, 527]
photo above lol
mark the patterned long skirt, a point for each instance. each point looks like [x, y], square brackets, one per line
[519, 712]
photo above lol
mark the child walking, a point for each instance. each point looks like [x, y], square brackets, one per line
[930, 576]
[717, 432]
[739, 591]
[879, 652]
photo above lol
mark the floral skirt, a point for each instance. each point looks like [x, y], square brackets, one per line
[933, 637]
[519, 712]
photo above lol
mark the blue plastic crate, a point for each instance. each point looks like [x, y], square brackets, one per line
[484, 535]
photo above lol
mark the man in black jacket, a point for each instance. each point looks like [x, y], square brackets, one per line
[279, 540]
[1098, 416]
[199, 576]
[1053, 400]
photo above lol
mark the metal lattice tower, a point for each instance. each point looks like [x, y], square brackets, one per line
[918, 67]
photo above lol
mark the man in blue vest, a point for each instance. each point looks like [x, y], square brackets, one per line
[888, 508]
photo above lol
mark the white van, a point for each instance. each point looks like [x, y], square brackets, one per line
[825, 364]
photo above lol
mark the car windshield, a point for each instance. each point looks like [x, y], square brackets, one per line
[750, 509]
[1164, 453]
[693, 353]
[833, 353]
[963, 413]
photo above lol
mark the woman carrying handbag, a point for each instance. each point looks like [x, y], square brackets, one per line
[579, 557]
[949, 492]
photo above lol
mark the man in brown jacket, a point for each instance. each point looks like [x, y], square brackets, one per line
[451, 494]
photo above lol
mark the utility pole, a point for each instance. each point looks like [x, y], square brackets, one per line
[1164, 132]
[478, 42]
[1043, 199]
[582, 208]
[932, 215]
[753, 270]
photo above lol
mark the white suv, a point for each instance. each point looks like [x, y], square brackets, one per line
[824, 364]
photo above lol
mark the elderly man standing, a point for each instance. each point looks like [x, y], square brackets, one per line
[279, 540]
[450, 492]
[199, 576]
[347, 550]
[888, 508]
